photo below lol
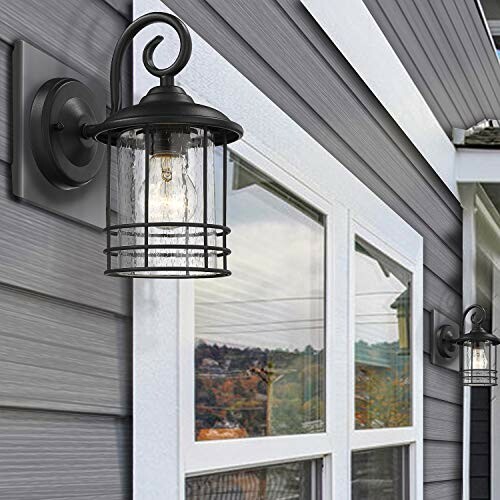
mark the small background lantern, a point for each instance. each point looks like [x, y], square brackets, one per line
[476, 350]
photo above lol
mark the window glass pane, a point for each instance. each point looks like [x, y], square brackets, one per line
[380, 474]
[294, 481]
[383, 362]
[259, 360]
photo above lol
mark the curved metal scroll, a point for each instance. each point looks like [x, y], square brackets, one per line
[166, 74]
[477, 317]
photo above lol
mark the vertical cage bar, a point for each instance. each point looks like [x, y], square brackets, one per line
[205, 195]
[495, 372]
[224, 197]
[490, 372]
[146, 196]
[108, 203]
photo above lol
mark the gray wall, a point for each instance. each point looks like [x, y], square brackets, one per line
[65, 329]
[279, 47]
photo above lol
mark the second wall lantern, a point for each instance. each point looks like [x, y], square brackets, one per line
[163, 223]
[476, 350]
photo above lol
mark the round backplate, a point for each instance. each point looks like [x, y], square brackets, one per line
[445, 345]
[60, 108]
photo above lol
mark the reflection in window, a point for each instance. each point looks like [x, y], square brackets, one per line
[294, 481]
[380, 474]
[383, 362]
[259, 359]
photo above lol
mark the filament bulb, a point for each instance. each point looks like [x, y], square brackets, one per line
[166, 171]
[172, 193]
[479, 359]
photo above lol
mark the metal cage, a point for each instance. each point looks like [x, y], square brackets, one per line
[140, 245]
[478, 352]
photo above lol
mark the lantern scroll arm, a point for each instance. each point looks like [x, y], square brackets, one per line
[166, 75]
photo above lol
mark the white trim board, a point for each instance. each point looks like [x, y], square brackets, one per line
[477, 165]
[357, 35]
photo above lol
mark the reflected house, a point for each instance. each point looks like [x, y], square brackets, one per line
[383, 320]
[254, 392]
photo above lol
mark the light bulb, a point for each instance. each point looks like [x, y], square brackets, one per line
[172, 193]
[479, 359]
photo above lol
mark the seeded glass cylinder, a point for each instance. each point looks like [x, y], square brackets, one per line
[166, 204]
[479, 363]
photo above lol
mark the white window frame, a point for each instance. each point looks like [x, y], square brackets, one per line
[203, 457]
[164, 450]
[409, 257]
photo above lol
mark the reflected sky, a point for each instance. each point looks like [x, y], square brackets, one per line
[275, 297]
[377, 289]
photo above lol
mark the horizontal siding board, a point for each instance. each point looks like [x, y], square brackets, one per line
[124, 7]
[442, 461]
[82, 34]
[56, 257]
[46, 455]
[57, 356]
[442, 420]
[443, 490]
[441, 383]
[480, 488]
[480, 464]
[5, 102]
[438, 295]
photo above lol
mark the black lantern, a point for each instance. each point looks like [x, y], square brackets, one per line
[165, 224]
[477, 349]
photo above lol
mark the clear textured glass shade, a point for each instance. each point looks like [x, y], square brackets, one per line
[479, 363]
[165, 220]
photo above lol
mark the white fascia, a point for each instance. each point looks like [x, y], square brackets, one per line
[357, 35]
[477, 165]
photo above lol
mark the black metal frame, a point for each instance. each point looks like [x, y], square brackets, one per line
[447, 341]
[165, 107]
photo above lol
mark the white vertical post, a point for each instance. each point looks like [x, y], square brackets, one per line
[156, 434]
[468, 196]
[338, 345]
[495, 402]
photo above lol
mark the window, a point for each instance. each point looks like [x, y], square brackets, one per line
[260, 334]
[382, 340]
[386, 398]
[293, 481]
[380, 474]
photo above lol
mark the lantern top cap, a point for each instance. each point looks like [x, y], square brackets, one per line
[166, 105]
[477, 333]
[169, 105]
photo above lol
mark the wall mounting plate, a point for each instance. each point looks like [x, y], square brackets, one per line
[439, 323]
[80, 201]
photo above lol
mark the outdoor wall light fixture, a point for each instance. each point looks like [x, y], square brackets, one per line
[165, 221]
[476, 350]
